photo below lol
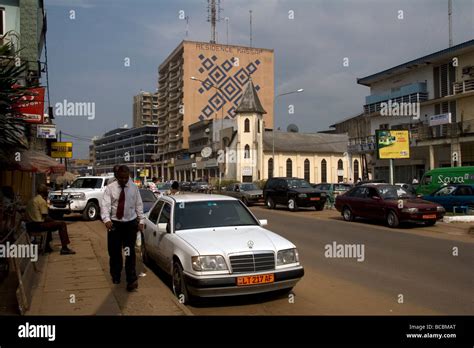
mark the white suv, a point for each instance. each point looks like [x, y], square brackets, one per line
[82, 196]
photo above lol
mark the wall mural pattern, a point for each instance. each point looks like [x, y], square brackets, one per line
[229, 78]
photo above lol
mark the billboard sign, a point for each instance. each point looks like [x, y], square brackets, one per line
[61, 150]
[392, 144]
[437, 120]
[46, 131]
[31, 106]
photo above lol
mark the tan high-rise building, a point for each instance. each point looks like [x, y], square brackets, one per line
[221, 73]
[145, 109]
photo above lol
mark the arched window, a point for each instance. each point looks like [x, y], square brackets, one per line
[258, 126]
[340, 165]
[289, 168]
[247, 125]
[324, 177]
[356, 170]
[247, 151]
[270, 168]
[306, 170]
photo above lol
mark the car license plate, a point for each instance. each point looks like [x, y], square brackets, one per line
[430, 216]
[258, 279]
[315, 198]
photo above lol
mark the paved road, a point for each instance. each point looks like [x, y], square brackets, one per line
[408, 265]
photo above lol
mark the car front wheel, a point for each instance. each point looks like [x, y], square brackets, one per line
[392, 219]
[347, 214]
[91, 212]
[179, 283]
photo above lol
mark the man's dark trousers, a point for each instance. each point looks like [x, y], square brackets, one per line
[122, 235]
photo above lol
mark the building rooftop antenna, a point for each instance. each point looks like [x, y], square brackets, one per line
[250, 13]
[187, 25]
[213, 15]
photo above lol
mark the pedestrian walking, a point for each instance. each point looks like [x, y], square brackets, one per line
[122, 214]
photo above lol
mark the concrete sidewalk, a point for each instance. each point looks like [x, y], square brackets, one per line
[80, 284]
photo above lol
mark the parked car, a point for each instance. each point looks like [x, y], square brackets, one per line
[409, 187]
[200, 186]
[433, 179]
[248, 193]
[185, 186]
[375, 181]
[293, 193]
[82, 196]
[387, 202]
[148, 199]
[333, 190]
[214, 246]
[454, 195]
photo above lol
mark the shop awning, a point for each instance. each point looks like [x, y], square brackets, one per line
[38, 162]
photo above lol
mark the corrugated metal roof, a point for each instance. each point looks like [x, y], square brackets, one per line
[305, 142]
[465, 46]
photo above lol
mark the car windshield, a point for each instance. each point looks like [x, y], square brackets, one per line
[248, 187]
[342, 187]
[147, 196]
[210, 214]
[87, 183]
[394, 192]
[445, 191]
[295, 183]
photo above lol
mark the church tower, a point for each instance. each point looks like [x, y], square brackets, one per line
[249, 118]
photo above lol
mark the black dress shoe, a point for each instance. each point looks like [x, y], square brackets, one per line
[67, 251]
[132, 286]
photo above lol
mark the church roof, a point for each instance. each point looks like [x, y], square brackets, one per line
[250, 101]
[305, 142]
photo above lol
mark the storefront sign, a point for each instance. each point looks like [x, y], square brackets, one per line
[392, 144]
[61, 150]
[46, 131]
[437, 120]
[31, 106]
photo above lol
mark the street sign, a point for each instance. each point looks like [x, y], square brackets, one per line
[144, 173]
[61, 150]
[46, 131]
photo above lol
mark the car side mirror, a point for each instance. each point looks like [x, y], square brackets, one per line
[263, 222]
[162, 227]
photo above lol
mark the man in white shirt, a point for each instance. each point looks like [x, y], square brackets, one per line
[122, 214]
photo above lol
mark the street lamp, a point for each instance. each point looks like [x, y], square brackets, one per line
[274, 124]
[222, 122]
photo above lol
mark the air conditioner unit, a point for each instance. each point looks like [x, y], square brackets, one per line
[468, 70]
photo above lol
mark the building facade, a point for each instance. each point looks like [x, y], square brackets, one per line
[135, 147]
[145, 109]
[440, 87]
[221, 73]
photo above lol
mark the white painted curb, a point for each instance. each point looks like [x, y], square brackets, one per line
[464, 218]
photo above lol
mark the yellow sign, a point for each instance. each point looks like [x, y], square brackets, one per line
[393, 144]
[61, 150]
[144, 173]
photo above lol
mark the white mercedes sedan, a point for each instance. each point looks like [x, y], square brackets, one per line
[213, 245]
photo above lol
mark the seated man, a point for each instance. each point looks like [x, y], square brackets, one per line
[39, 221]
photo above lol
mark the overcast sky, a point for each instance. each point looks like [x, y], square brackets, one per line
[86, 54]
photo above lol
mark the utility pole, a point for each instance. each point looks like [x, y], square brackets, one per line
[450, 12]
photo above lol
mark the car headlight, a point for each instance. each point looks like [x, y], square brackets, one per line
[302, 195]
[440, 209]
[287, 256]
[410, 210]
[78, 196]
[209, 263]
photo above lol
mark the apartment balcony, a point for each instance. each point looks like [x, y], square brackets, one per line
[175, 126]
[425, 132]
[162, 78]
[173, 97]
[174, 65]
[463, 86]
[162, 107]
[413, 93]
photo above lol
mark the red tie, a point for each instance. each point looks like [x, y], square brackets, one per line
[121, 204]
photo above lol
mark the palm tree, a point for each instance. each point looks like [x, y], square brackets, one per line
[13, 129]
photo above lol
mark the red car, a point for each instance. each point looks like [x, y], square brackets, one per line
[387, 202]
